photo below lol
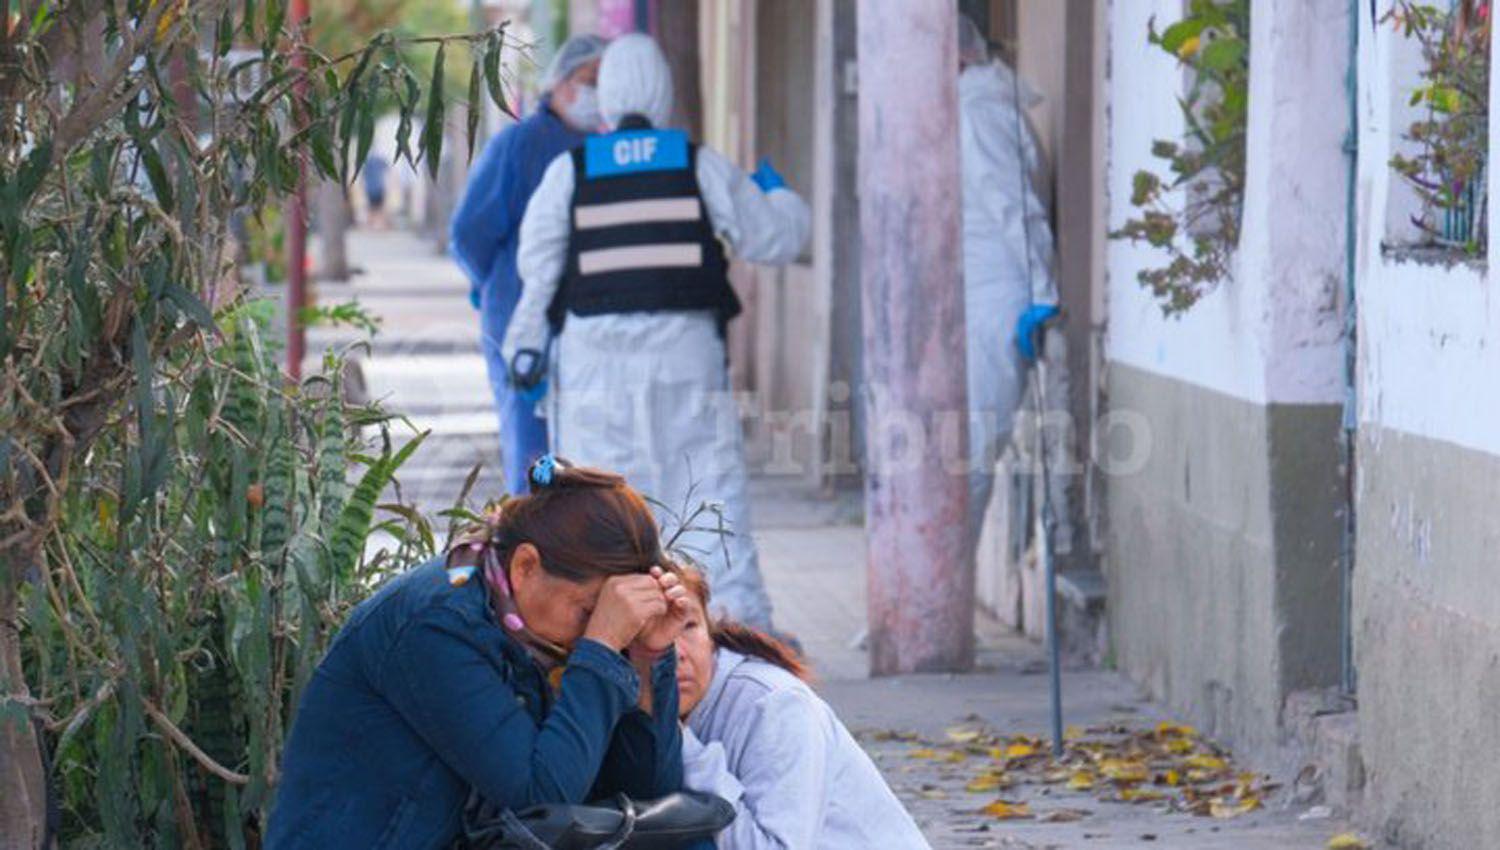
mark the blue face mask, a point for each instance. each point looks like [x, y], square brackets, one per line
[583, 111]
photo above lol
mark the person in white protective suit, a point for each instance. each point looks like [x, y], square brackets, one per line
[1009, 288]
[625, 297]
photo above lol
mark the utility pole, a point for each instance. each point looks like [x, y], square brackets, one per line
[296, 228]
[921, 578]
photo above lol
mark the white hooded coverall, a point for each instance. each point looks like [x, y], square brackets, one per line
[646, 394]
[1007, 247]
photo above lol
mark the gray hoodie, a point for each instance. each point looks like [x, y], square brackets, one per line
[798, 780]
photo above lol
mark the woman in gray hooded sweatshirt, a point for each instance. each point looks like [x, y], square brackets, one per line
[759, 737]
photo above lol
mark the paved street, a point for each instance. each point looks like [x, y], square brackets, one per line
[425, 362]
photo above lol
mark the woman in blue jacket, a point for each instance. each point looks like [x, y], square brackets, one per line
[533, 665]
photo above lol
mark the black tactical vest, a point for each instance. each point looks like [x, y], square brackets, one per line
[641, 237]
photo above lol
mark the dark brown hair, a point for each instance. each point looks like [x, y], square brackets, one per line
[584, 523]
[737, 637]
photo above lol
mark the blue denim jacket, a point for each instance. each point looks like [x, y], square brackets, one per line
[422, 696]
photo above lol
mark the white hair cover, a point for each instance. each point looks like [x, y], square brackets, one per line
[634, 78]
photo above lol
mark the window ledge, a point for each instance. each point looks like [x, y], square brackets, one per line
[1432, 255]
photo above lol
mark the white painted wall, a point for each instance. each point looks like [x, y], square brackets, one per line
[1429, 334]
[1272, 334]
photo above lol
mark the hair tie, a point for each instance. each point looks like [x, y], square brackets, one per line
[541, 471]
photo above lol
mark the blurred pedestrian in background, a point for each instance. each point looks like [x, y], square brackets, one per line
[374, 175]
[486, 227]
[621, 260]
[1009, 288]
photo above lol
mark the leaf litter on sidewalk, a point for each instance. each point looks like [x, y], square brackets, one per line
[1169, 767]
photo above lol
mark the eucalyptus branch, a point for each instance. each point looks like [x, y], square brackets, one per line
[186, 744]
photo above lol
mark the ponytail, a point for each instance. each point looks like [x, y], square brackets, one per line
[740, 638]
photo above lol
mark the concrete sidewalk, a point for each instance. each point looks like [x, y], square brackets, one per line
[812, 553]
[425, 362]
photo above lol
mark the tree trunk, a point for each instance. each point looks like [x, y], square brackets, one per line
[921, 577]
[333, 228]
[677, 25]
[23, 782]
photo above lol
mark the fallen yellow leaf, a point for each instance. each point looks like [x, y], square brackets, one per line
[1056, 775]
[1121, 770]
[1347, 841]
[1165, 729]
[1062, 816]
[1006, 810]
[1141, 795]
[1020, 751]
[988, 781]
[1205, 762]
[1082, 780]
[962, 735]
[1072, 733]
[1178, 746]
[923, 753]
[1172, 778]
[1225, 809]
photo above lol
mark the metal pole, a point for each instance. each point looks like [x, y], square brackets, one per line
[296, 230]
[1046, 522]
[1348, 679]
[921, 577]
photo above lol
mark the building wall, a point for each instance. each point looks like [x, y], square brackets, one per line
[1427, 623]
[1222, 540]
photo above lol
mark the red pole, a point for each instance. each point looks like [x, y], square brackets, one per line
[921, 577]
[296, 230]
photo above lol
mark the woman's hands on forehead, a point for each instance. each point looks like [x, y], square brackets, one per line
[644, 611]
[659, 634]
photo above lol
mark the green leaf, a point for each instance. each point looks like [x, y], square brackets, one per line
[1173, 37]
[100, 160]
[275, 23]
[280, 490]
[1222, 54]
[403, 127]
[322, 150]
[191, 306]
[492, 55]
[353, 525]
[1444, 99]
[432, 129]
[145, 404]
[475, 107]
[5, 339]
[187, 187]
[366, 133]
[156, 172]
[224, 36]
[21, 256]
[415, 519]
[37, 164]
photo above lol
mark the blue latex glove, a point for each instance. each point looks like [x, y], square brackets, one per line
[1029, 325]
[766, 177]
